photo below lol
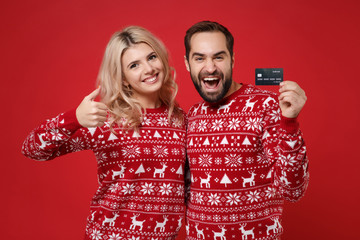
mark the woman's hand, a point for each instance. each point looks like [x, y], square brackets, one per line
[91, 113]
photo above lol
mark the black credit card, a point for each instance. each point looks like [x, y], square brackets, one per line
[268, 76]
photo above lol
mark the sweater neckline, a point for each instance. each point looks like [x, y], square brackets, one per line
[231, 96]
[237, 92]
[156, 110]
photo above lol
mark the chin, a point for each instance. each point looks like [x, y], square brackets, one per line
[212, 98]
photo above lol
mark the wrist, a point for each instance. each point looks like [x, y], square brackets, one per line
[72, 116]
[290, 125]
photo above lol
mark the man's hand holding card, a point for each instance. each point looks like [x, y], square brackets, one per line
[292, 98]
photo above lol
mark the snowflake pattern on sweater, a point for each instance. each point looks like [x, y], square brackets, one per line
[245, 160]
[141, 174]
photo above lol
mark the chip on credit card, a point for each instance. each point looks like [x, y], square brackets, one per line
[268, 76]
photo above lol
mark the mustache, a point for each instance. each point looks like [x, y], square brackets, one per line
[207, 74]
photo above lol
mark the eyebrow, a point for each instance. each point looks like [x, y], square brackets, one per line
[136, 61]
[202, 54]
[131, 63]
[152, 53]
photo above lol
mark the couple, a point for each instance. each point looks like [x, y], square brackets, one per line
[245, 152]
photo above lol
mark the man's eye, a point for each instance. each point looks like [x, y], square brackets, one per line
[219, 58]
[199, 59]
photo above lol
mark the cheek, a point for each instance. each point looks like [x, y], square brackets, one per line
[131, 77]
[158, 64]
[160, 67]
[195, 73]
[196, 70]
[224, 68]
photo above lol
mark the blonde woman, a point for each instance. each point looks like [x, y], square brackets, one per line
[137, 133]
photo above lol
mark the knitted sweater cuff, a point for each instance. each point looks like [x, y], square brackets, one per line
[290, 125]
[70, 120]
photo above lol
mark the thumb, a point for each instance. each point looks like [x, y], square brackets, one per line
[94, 94]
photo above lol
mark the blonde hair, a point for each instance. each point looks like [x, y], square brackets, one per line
[125, 110]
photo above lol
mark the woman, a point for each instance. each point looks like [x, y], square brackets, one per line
[137, 134]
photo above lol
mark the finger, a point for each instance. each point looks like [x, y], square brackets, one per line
[289, 99]
[287, 82]
[102, 119]
[95, 120]
[299, 98]
[99, 118]
[103, 113]
[291, 86]
[293, 90]
[288, 85]
[94, 94]
[295, 103]
[293, 98]
[284, 104]
[101, 106]
[291, 94]
[100, 124]
[98, 112]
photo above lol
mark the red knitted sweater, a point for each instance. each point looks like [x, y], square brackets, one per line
[141, 180]
[245, 159]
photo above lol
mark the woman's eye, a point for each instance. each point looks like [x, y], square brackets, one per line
[134, 65]
[153, 56]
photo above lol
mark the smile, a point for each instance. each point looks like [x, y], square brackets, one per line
[210, 79]
[151, 79]
[211, 82]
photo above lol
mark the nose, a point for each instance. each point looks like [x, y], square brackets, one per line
[210, 66]
[148, 68]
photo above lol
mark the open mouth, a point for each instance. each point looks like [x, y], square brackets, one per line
[151, 79]
[211, 82]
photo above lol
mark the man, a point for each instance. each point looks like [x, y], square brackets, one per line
[245, 149]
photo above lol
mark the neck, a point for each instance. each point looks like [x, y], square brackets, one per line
[152, 101]
[233, 88]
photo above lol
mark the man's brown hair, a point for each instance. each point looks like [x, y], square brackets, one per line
[208, 26]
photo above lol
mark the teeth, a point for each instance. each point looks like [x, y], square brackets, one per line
[151, 79]
[210, 79]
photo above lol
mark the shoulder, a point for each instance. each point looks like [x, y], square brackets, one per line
[256, 99]
[251, 90]
[195, 108]
[179, 118]
[259, 95]
[180, 111]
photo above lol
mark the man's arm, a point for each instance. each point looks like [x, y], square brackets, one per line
[284, 143]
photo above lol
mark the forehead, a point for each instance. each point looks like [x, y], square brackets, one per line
[136, 52]
[208, 43]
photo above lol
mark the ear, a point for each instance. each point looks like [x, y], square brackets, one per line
[233, 60]
[187, 64]
[124, 82]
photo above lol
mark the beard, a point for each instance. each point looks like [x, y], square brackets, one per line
[213, 97]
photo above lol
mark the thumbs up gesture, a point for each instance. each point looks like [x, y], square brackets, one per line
[91, 113]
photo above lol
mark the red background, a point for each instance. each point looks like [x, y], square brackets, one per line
[50, 55]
